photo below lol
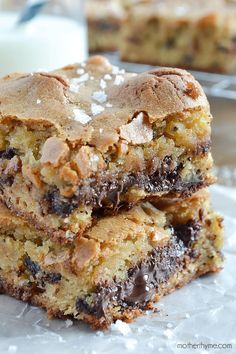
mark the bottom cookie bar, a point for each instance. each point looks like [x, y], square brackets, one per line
[119, 267]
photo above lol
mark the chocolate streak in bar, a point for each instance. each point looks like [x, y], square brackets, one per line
[144, 279]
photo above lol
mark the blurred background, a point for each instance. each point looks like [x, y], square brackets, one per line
[134, 34]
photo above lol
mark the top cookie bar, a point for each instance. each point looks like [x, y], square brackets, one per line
[90, 138]
[199, 35]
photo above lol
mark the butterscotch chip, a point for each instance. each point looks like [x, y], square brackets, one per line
[69, 175]
[138, 131]
[159, 237]
[87, 161]
[60, 257]
[68, 192]
[32, 173]
[101, 63]
[54, 151]
[13, 166]
[84, 252]
[123, 148]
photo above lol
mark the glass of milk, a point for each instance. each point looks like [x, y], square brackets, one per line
[54, 38]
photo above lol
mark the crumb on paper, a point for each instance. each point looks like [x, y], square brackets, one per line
[169, 325]
[168, 333]
[121, 327]
[131, 343]
[68, 323]
[99, 334]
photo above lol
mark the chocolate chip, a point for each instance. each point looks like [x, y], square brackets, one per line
[170, 43]
[6, 180]
[187, 233]
[8, 154]
[222, 48]
[188, 59]
[32, 266]
[83, 306]
[51, 278]
[42, 276]
[59, 205]
[107, 26]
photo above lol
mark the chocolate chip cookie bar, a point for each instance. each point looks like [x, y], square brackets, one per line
[104, 19]
[119, 267]
[88, 139]
[194, 35]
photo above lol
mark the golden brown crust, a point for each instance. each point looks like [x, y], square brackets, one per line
[52, 99]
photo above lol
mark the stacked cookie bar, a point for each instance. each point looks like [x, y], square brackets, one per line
[103, 180]
[197, 35]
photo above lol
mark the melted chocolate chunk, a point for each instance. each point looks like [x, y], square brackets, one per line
[144, 279]
[105, 194]
[187, 233]
[8, 154]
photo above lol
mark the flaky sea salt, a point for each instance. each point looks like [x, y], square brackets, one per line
[94, 158]
[116, 70]
[109, 105]
[75, 85]
[38, 101]
[80, 71]
[81, 116]
[121, 327]
[96, 109]
[118, 80]
[107, 77]
[12, 349]
[99, 96]
[83, 78]
[103, 84]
